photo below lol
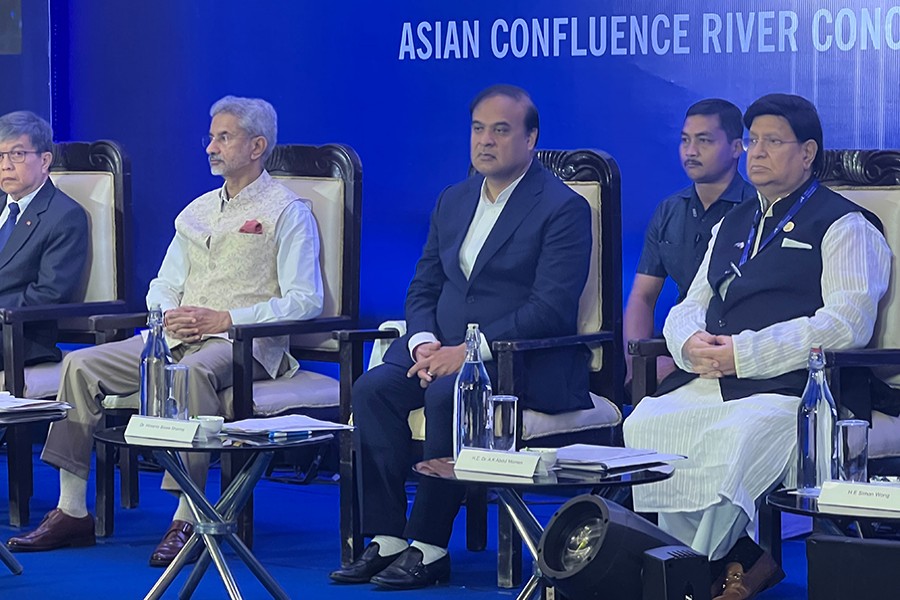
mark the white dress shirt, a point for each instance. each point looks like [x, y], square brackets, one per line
[486, 214]
[855, 269]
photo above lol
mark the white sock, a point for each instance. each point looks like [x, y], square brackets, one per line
[72, 494]
[183, 512]
[389, 545]
[430, 553]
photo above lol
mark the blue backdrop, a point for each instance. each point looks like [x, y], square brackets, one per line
[393, 79]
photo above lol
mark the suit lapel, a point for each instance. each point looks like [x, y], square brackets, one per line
[28, 222]
[520, 203]
[468, 204]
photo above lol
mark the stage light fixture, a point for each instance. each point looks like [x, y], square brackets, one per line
[592, 548]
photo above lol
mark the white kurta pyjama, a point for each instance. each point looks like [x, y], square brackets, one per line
[741, 448]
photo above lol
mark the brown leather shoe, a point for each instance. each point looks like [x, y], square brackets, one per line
[57, 530]
[173, 541]
[739, 585]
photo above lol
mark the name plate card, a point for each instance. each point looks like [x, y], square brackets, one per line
[519, 464]
[860, 495]
[157, 428]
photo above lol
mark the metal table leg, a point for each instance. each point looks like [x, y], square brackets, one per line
[10, 561]
[214, 525]
[530, 530]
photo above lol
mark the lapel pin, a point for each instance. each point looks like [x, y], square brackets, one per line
[789, 226]
[28, 223]
[739, 245]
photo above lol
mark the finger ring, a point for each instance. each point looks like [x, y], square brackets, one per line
[429, 373]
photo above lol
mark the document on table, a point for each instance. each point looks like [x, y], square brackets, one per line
[607, 458]
[11, 404]
[281, 424]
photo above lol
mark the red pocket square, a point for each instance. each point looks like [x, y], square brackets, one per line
[251, 226]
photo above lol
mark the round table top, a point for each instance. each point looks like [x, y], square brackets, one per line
[218, 443]
[442, 468]
[790, 501]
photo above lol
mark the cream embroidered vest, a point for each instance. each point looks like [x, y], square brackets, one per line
[229, 268]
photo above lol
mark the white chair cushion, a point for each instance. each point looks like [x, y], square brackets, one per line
[590, 305]
[325, 196]
[305, 389]
[95, 193]
[41, 381]
[884, 436]
[537, 424]
[125, 402]
[885, 202]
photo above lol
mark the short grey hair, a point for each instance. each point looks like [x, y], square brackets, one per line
[23, 122]
[255, 116]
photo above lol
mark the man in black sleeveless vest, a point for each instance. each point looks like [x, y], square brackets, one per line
[803, 266]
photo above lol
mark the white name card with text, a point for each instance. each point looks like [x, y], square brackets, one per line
[157, 428]
[860, 495]
[520, 464]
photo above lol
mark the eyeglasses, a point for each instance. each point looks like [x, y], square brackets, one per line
[222, 139]
[18, 156]
[771, 143]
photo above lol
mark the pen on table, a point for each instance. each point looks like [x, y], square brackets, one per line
[279, 436]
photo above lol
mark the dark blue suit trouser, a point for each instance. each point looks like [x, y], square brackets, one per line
[382, 400]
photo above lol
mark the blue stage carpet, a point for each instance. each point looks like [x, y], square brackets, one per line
[296, 539]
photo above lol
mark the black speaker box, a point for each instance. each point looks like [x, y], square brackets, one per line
[675, 573]
[841, 568]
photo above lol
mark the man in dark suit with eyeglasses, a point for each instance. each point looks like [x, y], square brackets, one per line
[43, 232]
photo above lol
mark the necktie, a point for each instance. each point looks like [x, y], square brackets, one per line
[10, 223]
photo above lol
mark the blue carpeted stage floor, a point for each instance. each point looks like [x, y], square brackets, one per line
[296, 539]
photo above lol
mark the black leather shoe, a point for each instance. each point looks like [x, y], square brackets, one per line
[173, 541]
[408, 572]
[362, 569]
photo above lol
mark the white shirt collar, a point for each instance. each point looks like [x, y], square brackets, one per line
[504, 195]
[23, 202]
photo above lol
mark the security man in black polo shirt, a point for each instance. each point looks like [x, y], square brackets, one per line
[678, 233]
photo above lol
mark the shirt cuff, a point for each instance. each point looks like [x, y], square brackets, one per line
[242, 316]
[485, 348]
[423, 337]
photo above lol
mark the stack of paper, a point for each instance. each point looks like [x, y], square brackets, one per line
[283, 424]
[13, 409]
[605, 458]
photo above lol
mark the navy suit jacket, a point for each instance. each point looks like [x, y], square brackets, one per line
[526, 282]
[43, 263]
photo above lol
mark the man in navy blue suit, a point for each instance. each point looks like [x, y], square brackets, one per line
[43, 232]
[509, 249]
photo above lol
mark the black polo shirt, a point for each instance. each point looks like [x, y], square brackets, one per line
[679, 232]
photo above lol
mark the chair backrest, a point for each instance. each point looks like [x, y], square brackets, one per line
[329, 178]
[871, 178]
[594, 175]
[97, 175]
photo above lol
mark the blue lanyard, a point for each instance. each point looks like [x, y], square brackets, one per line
[790, 215]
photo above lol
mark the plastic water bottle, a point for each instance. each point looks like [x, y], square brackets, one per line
[816, 418]
[472, 419]
[154, 358]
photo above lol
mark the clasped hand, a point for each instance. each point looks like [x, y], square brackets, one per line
[434, 360]
[711, 356]
[190, 323]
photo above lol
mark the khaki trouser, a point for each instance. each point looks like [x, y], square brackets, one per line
[91, 373]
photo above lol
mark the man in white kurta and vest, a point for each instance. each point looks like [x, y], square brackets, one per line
[245, 253]
[801, 267]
